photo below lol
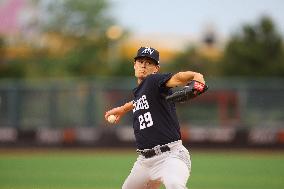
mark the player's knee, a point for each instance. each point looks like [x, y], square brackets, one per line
[133, 185]
[174, 184]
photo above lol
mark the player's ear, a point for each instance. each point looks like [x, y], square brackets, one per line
[157, 68]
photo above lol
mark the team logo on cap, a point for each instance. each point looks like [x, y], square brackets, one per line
[148, 50]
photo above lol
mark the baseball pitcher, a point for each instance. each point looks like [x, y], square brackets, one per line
[162, 158]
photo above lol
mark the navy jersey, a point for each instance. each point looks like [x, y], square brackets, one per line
[155, 120]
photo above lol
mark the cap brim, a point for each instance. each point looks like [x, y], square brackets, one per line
[147, 57]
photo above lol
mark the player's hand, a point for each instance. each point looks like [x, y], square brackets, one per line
[117, 112]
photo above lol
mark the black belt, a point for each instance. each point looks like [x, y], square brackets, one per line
[155, 151]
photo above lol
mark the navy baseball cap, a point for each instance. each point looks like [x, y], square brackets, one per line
[148, 52]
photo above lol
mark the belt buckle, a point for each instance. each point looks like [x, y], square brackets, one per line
[157, 150]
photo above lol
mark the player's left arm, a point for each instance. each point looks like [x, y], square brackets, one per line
[183, 78]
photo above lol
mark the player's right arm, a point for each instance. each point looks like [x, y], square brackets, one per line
[183, 78]
[119, 111]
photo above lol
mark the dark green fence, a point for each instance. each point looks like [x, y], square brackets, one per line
[82, 103]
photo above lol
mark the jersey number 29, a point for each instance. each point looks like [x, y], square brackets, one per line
[145, 120]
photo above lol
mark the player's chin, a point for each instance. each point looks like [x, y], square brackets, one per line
[141, 75]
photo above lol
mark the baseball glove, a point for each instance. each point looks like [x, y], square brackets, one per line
[190, 91]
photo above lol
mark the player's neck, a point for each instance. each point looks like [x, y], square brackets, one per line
[139, 80]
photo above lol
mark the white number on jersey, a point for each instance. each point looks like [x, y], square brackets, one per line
[145, 120]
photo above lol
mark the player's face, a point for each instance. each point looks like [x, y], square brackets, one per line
[145, 66]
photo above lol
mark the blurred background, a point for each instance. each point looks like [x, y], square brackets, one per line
[63, 63]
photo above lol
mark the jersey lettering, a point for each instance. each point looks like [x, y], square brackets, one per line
[145, 120]
[141, 104]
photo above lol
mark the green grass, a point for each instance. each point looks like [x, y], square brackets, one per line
[107, 170]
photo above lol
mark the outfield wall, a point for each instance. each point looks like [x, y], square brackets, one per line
[122, 136]
[234, 112]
